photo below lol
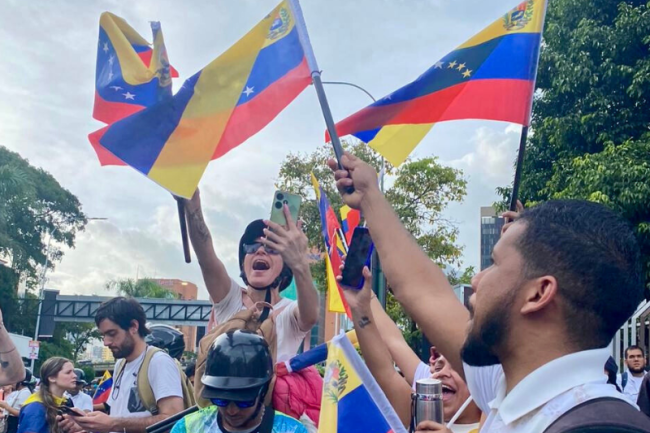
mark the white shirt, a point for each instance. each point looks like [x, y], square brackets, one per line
[542, 396]
[164, 378]
[17, 398]
[81, 401]
[287, 328]
[422, 372]
[632, 387]
[465, 428]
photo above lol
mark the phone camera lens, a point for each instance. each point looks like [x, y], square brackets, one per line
[278, 205]
[279, 196]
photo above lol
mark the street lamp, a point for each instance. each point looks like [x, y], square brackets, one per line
[40, 291]
[378, 280]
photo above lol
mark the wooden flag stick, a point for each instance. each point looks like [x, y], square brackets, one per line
[186, 243]
[520, 166]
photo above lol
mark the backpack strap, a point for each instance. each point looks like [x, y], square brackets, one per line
[144, 387]
[624, 377]
[600, 415]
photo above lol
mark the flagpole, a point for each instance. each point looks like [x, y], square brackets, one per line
[524, 130]
[180, 203]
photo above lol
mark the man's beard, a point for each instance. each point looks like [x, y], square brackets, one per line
[126, 348]
[636, 370]
[480, 344]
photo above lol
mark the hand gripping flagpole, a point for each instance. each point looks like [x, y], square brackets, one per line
[524, 130]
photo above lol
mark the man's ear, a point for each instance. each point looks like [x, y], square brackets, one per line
[539, 292]
[134, 328]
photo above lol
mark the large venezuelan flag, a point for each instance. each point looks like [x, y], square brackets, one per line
[330, 228]
[352, 400]
[218, 108]
[129, 75]
[103, 389]
[491, 76]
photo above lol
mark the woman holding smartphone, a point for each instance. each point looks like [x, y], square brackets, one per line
[38, 414]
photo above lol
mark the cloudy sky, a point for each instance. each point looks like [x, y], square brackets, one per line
[47, 71]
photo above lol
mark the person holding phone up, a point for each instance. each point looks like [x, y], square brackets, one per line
[270, 255]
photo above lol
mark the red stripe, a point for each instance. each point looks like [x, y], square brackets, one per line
[249, 118]
[146, 59]
[505, 100]
[110, 112]
[105, 157]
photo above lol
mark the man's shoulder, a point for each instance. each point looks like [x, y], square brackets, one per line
[202, 420]
[285, 424]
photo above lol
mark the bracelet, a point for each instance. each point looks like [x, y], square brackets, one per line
[8, 351]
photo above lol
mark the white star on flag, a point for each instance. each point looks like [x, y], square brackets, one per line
[110, 75]
[249, 90]
[116, 88]
[128, 95]
[438, 65]
[111, 59]
[105, 47]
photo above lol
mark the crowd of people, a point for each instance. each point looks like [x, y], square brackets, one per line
[531, 354]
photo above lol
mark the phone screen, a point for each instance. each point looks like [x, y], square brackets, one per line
[358, 257]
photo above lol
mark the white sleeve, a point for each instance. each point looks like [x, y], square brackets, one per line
[23, 395]
[164, 377]
[288, 332]
[230, 305]
[86, 403]
[483, 383]
[422, 372]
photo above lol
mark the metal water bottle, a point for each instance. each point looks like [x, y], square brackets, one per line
[428, 401]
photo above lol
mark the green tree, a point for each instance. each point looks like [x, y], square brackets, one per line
[143, 288]
[33, 205]
[590, 120]
[80, 335]
[420, 190]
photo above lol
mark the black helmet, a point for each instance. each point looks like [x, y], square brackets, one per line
[254, 231]
[168, 338]
[238, 367]
[81, 377]
[28, 378]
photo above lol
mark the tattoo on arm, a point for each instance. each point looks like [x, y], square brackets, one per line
[197, 223]
[364, 322]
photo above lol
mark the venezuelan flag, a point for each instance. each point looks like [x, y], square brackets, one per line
[330, 227]
[350, 219]
[352, 400]
[103, 389]
[218, 108]
[491, 76]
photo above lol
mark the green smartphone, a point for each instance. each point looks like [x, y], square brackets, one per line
[280, 198]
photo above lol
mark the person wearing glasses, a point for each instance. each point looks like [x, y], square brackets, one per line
[237, 379]
[270, 256]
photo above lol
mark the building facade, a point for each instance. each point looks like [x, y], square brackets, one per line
[491, 226]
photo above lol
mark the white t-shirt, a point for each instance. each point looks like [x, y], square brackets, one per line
[81, 401]
[422, 372]
[542, 396]
[465, 428]
[17, 398]
[632, 387]
[164, 378]
[286, 323]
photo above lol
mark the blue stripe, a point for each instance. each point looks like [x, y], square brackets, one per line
[273, 62]
[138, 139]
[357, 412]
[367, 136]
[506, 57]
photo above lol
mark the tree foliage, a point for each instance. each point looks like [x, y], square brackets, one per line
[32, 206]
[419, 192]
[590, 119]
[143, 288]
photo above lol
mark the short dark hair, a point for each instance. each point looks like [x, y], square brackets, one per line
[190, 369]
[634, 347]
[594, 256]
[123, 311]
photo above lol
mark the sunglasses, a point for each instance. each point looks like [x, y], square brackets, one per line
[222, 402]
[252, 248]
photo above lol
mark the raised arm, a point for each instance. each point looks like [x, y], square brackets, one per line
[417, 282]
[12, 369]
[214, 272]
[375, 352]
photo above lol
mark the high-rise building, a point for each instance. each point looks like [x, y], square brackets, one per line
[187, 291]
[491, 226]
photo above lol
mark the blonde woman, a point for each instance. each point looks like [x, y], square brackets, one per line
[38, 414]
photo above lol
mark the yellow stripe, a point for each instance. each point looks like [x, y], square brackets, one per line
[284, 13]
[396, 142]
[188, 150]
[513, 22]
[334, 301]
[122, 36]
[316, 185]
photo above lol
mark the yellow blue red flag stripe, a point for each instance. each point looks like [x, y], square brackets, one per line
[491, 76]
[352, 400]
[217, 109]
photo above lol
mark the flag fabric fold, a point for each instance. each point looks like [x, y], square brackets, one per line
[352, 400]
[234, 97]
[103, 389]
[330, 228]
[491, 77]
[350, 219]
